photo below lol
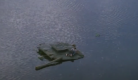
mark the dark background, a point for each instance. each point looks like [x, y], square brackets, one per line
[26, 23]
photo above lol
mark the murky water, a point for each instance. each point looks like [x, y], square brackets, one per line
[26, 23]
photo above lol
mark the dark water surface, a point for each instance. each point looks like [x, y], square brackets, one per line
[26, 23]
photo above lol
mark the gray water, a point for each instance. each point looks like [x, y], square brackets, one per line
[26, 23]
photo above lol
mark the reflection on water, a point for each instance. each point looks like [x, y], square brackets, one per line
[24, 24]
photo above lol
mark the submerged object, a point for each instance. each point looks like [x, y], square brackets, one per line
[97, 35]
[56, 53]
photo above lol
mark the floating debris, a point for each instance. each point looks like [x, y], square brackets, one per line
[41, 58]
[56, 53]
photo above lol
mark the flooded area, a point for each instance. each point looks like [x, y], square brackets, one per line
[113, 55]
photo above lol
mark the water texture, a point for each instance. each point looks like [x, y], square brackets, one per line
[24, 24]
